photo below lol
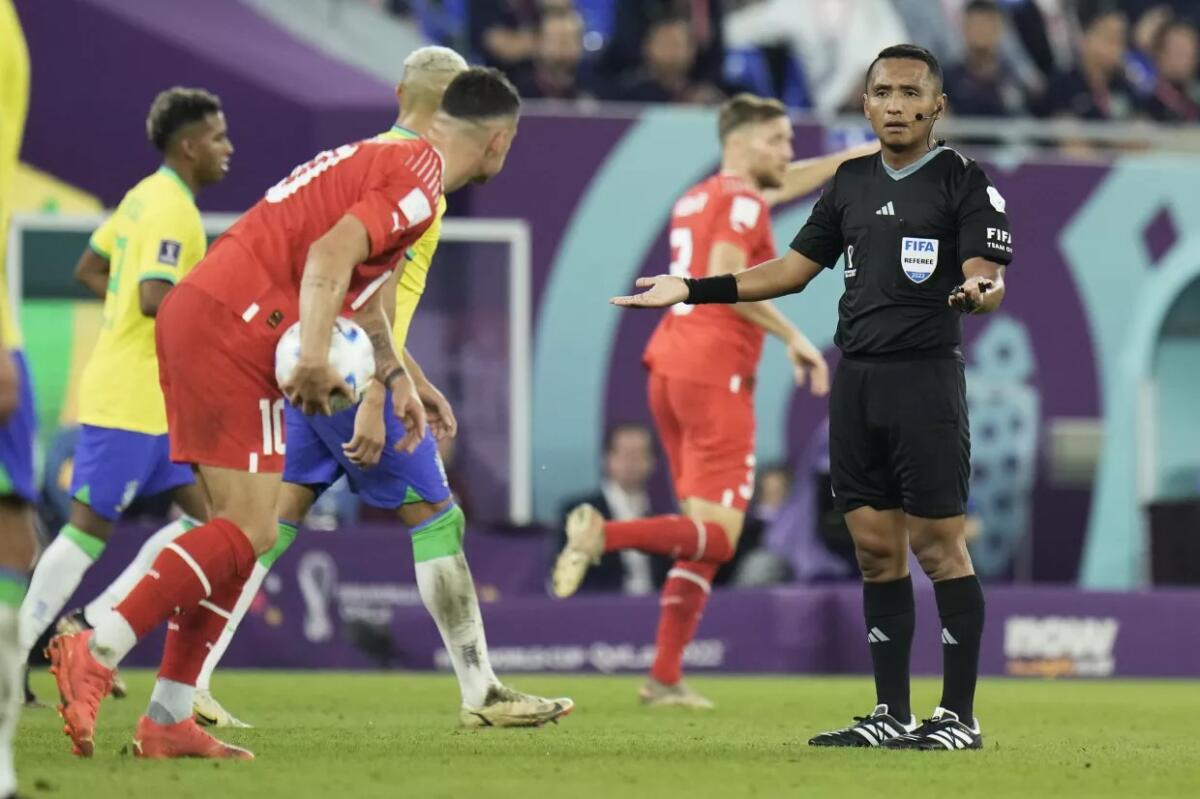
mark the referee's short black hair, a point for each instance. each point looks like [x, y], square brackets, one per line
[480, 93]
[912, 52]
[176, 108]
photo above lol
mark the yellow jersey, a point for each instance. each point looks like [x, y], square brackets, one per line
[155, 234]
[411, 283]
[14, 105]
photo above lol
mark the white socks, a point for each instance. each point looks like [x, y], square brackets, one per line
[449, 595]
[249, 591]
[170, 702]
[102, 605]
[11, 695]
[112, 640]
[57, 575]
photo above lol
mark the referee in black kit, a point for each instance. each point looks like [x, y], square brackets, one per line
[924, 239]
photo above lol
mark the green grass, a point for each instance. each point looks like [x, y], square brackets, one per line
[353, 736]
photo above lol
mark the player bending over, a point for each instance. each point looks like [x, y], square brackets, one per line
[361, 444]
[322, 241]
[702, 363]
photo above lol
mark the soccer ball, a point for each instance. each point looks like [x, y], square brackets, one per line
[350, 352]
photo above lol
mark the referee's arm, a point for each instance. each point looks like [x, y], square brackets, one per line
[789, 274]
[983, 289]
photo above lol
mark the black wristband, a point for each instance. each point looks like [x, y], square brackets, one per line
[720, 288]
[392, 375]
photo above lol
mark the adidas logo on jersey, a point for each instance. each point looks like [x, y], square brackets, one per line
[886, 210]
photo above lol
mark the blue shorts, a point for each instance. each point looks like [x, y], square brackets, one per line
[315, 458]
[114, 467]
[16, 440]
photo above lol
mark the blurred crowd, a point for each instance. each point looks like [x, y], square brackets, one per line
[1087, 59]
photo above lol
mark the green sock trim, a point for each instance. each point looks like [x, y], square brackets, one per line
[88, 543]
[287, 534]
[12, 591]
[188, 523]
[440, 537]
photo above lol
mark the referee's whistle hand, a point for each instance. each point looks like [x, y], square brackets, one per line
[969, 296]
[661, 291]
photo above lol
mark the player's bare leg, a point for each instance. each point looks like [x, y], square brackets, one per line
[941, 548]
[16, 555]
[196, 578]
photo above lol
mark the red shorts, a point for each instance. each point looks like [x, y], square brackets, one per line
[217, 373]
[708, 434]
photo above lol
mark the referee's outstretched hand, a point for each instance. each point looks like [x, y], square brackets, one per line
[969, 296]
[662, 291]
[808, 364]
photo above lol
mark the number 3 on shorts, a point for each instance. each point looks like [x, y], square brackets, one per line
[272, 426]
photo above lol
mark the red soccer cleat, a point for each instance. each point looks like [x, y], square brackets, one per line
[155, 741]
[82, 684]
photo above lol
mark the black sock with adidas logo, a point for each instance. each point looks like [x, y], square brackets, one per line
[960, 605]
[888, 609]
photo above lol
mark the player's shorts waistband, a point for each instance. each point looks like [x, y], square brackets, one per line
[900, 356]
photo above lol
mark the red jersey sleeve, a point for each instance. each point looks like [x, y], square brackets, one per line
[741, 219]
[401, 194]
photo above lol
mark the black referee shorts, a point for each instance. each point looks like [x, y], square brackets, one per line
[899, 436]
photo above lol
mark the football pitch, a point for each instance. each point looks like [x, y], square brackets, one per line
[351, 736]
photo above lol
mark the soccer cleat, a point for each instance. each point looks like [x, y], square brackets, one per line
[942, 732]
[154, 741]
[76, 622]
[505, 707]
[82, 683]
[659, 694]
[210, 713]
[585, 545]
[867, 731]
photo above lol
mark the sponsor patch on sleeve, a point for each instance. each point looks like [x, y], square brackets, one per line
[996, 198]
[743, 213]
[169, 251]
[415, 207]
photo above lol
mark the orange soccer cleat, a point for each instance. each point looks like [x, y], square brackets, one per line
[82, 683]
[156, 741]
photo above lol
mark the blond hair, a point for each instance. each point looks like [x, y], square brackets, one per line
[745, 109]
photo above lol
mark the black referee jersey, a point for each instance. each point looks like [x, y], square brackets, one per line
[899, 434]
[905, 235]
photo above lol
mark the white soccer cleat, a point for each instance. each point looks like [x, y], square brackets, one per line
[210, 713]
[659, 694]
[505, 707]
[585, 545]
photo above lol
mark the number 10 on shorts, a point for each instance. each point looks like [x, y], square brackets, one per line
[272, 426]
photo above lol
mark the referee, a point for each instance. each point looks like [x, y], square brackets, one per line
[924, 239]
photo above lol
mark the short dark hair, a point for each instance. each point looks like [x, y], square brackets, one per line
[610, 437]
[176, 108]
[746, 109]
[912, 52]
[481, 93]
[1088, 17]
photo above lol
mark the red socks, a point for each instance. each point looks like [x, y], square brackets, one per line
[672, 536]
[684, 596]
[193, 633]
[193, 567]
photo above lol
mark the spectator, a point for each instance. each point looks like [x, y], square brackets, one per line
[1096, 88]
[559, 52]
[633, 20]
[832, 40]
[1176, 53]
[981, 85]
[503, 32]
[668, 54]
[1139, 61]
[628, 465]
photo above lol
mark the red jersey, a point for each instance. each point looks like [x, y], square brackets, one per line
[710, 343]
[392, 187]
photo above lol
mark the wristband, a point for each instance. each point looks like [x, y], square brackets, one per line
[720, 288]
[392, 375]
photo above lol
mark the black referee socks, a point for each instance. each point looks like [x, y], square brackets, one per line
[960, 605]
[888, 609]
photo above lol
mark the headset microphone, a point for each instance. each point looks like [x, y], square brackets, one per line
[920, 117]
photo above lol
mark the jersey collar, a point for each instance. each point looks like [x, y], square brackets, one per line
[173, 175]
[901, 174]
[400, 132]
